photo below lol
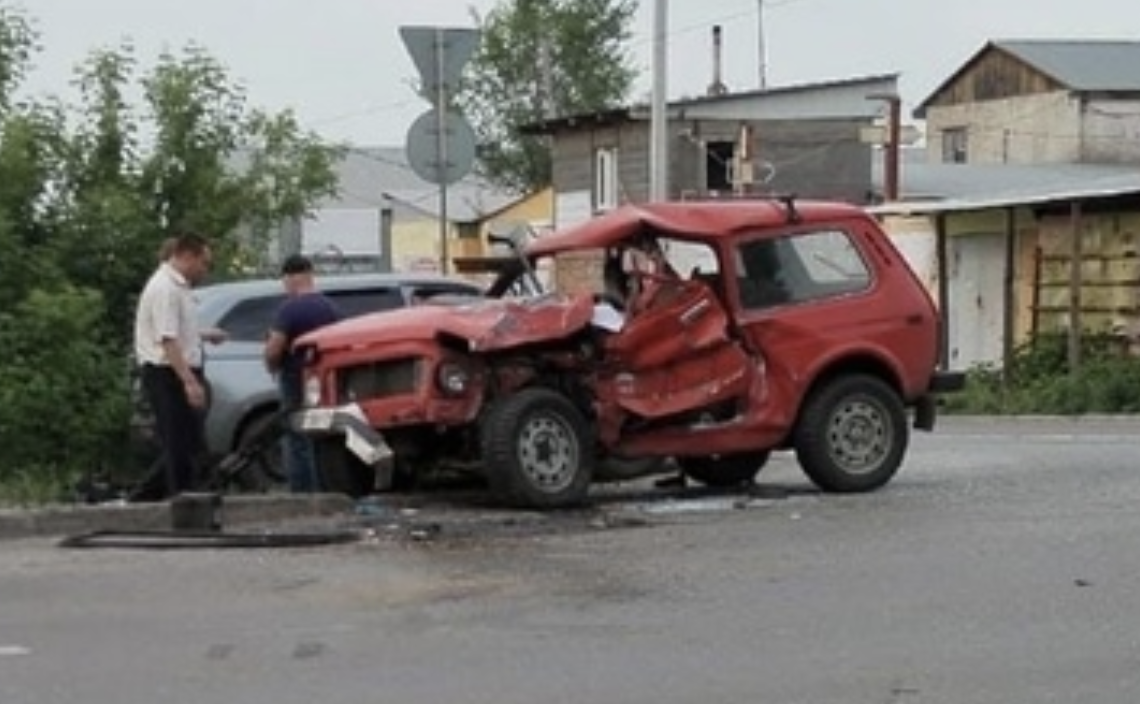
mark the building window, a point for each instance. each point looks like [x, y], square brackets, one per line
[605, 179]
[954, 144]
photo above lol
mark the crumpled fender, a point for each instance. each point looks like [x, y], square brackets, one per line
[521, 322]
[482, 325]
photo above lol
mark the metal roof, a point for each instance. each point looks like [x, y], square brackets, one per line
[1082, 65]
[1079, 65]
[793, 89]
[935, 188]
[690, 107]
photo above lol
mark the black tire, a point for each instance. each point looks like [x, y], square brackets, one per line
[852, 434]
[266, 470]
[339, 470]
[724, 471]
[538, 450]
[616, 468]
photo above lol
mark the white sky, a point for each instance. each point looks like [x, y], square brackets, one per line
[341, 65]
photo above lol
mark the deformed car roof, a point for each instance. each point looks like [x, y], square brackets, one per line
[688, 220]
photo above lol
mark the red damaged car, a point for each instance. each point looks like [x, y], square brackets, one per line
[719, 332]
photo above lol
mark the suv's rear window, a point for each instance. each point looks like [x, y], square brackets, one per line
[426, 292]
[249, 320]
[354, 303]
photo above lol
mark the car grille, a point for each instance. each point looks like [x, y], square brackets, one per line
[377, 380]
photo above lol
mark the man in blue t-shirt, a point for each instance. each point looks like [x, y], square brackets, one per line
[305, 309]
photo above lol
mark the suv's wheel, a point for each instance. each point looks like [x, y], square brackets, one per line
[724, 470]
[852, 434]
[265, 471]
[538, 450]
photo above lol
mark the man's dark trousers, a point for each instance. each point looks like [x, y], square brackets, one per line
[179, 426]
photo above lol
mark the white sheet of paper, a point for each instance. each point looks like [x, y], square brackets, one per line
[607, 317]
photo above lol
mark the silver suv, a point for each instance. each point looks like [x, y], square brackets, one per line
[243, 396]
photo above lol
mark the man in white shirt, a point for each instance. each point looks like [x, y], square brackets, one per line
[168, 350]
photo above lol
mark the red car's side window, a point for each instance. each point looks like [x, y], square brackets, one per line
[799, 268]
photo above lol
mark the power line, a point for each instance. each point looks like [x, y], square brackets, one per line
[400, 104]
[705, 24]
[363, 112]
[366, 154]
[688, 29]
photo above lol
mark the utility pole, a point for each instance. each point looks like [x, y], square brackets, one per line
[659, 120]
[384, 260]
[441, 151]
[761, 47]
[546, 79]
[894, 131]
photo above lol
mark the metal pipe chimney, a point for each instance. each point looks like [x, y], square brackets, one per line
[717, 87]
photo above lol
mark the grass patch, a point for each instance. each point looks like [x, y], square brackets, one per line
[35, 486]
[1040, 382]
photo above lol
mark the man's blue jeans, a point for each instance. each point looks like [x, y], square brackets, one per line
[297, 454]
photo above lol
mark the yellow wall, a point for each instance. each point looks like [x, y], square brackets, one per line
[416, 243]
[974, 222]
[537, 209]
[1110, 294]
[1110, 271]
[913, 236]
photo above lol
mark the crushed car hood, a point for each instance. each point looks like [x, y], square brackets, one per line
[488, 324]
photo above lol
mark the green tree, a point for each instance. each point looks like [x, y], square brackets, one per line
[210, 163]
[87, 192]
[539, 59]
[30, 164]
[17, 44]
[110, 233]
[222, 168]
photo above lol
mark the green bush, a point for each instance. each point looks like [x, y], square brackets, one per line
[63, 398]
[1039, 381]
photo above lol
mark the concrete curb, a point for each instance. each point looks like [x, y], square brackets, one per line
[55, 521]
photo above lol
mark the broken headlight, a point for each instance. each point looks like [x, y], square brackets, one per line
[453, 378]
[312, 391]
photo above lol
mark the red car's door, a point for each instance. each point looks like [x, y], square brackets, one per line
[673, 355]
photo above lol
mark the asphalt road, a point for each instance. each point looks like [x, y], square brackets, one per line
[1001, 566]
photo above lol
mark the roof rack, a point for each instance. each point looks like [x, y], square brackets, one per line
[789, 201]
